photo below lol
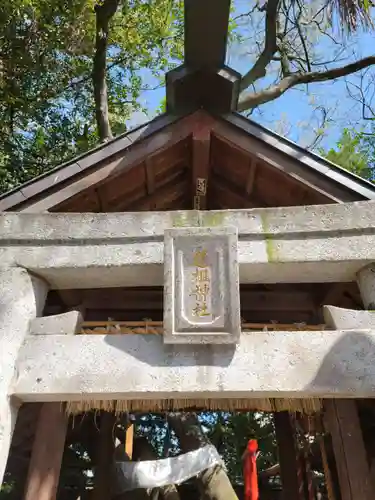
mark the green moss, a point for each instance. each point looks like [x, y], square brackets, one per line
[213, 219]
[270, 247]
[186, 218]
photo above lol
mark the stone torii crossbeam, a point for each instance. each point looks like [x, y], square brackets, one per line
[312, 243]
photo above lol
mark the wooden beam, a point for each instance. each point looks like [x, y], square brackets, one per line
[288, 456]
[201, 161]
[45, 464]
[198, 15]
[156, 327]
[342, 421]
[334, 294]
[71, 298]
[140, 299]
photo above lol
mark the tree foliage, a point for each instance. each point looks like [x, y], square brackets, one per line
[355, 151]
[228, 431]
[47, 55]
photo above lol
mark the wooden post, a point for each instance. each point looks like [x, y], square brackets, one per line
[46, 457]
[310, 489]
[290, 470]
[104, 457]
[327, 471]
[342, 421]
[129, 440]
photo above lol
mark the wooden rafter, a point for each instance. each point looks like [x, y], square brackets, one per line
[150, 176]
[251, 177]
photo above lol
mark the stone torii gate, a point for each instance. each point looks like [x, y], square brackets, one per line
[41, 358]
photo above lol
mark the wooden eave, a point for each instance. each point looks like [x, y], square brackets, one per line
[306, 159]
[157, 167]
[79, 167]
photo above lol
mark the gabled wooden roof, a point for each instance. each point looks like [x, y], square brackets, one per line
[201, 154]
[157, 167]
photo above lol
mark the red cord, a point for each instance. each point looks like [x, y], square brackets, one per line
[250, 471]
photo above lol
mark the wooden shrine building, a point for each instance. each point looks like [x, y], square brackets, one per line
[97, 240]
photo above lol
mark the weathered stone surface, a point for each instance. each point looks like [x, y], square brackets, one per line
[95, 227]
[348, 319]
[201, 286]
[263, 364]
[311, 244]
[22, 297]
[366, 283]
[67, 323]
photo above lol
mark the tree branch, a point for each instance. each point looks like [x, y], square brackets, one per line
[364, 96]
[104, 12]
[300, 34]
[270, 46]
[249, 100]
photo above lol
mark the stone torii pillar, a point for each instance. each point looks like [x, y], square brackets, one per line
[22, 298]
[366, 284]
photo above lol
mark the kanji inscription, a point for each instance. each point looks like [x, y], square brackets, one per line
[201, 289]
[201, 285]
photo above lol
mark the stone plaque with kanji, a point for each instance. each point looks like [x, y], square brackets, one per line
[201, 285]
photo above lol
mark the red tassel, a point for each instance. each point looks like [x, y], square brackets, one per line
[250, 471]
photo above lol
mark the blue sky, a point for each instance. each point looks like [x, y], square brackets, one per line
[296, 114]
